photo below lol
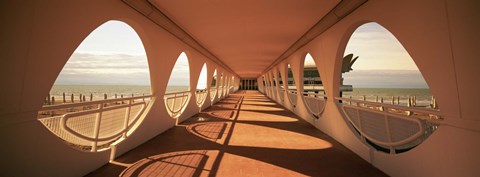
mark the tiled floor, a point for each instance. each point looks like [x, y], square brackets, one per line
[245, 134]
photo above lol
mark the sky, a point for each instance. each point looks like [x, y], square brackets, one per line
[113, 54]
[383, 62]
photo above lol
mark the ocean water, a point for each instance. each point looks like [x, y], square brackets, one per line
[98, 91]
[423, 96]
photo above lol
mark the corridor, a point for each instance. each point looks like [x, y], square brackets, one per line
[245, 134]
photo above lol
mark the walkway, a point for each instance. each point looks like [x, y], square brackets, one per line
[245, 134]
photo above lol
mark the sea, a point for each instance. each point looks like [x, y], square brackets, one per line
[422, 95]
[98, 91]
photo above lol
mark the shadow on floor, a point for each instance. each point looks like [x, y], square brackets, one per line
[230, 139]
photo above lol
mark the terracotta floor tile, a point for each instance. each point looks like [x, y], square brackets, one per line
[245, 134]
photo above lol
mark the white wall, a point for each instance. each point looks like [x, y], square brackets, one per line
[37, 40]
[441, 37]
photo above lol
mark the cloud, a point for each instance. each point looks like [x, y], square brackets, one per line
[180, 75]
[378, 49]
[105, 69]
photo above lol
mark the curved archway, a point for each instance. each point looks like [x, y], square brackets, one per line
[213, 85]
[109, 63]
[273, 84]
[201, 91]
[220, 86]
[378, 70]
[177, 93]
[291, 87]
[313, 91]
[281, 88]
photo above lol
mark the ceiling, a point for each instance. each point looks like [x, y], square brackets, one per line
[247, 35]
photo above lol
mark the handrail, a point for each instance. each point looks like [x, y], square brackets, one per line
[384, 105]
[201, 95]
[66, 132]
[65, 117]
[406, 114]
[391, 144]
[201, 90]
[213, 93]
[315, 95]
[319, 102]
[173, 96]
[281, 93]
[293, 92]
[175, 93]
[69, 105]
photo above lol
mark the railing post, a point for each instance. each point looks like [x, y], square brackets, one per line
[173, 104]
[127, 117]
[96, 129]
[381, 101]
[409, 104]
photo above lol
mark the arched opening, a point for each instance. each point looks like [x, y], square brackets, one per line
[273, 86]
[213, 86]
[102, 92]
[292, 88]
[385, 98]
[281, 89]
[313, 90]
[201, 92]
[232, 84]
[227, 84]
[178, 89]
[220, 86]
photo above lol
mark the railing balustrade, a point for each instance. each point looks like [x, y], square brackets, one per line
[281, 94]
[175, 102]
[292, 96]
[213, 93]
[392, 127]
[93, 125]
[220, 91]
[201, 94]
[315, 103]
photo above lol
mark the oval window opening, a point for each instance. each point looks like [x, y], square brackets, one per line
[382, 88]
[313, 90]
[281, 91]
[178, 89]
[232, 84]
[220, 86]
[102, 92]
[227, 85]
[213, 86]
[273, 85]
[292, 88]
[201, 92]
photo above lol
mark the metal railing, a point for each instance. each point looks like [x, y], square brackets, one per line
[220, 91]
[391, 127]
[274, 92]
[200, 94]
[213, 93]
[281, 94]
[315, 103]
[175, 102]
[93, 125]
[292, 97]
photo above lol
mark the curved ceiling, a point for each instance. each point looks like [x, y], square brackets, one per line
[246, 35]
